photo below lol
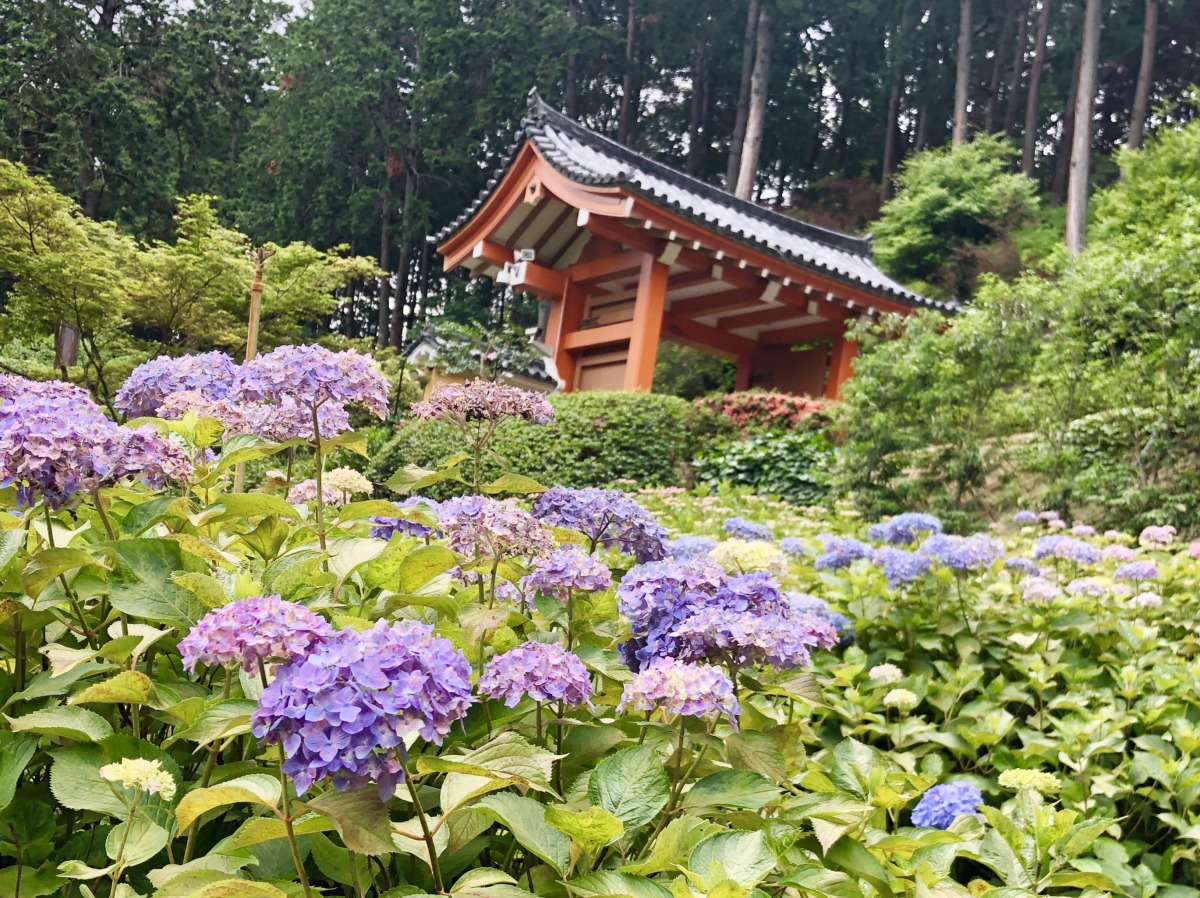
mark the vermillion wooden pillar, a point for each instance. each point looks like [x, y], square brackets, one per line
[566, 313]
[647, 325]
[841, 366]
[745, 370]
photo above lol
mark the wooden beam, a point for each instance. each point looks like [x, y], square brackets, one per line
[614, 229]
[714, 303]
[647, 324]
[773, 315]
[599, 336]
[805, 333]
[715, 340]
[565, 316]
[559, 220]
[609, 268]
[524, 227]
[841, 366]
[492, 253]
[534, 278]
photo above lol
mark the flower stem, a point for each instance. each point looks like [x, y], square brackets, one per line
[320, 504]
[287, 825]
[430, 847]
[88, 636]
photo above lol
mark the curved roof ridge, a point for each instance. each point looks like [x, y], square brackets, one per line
[542, 112]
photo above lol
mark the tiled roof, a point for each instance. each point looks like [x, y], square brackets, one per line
[538, 369]
[593, 159]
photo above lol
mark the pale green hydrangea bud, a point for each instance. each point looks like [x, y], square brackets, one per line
[140, 773]
[1037, 780]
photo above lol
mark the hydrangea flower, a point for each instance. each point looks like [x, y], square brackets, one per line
[211, 374]
[1067, 548]
[1147, 600]
[680, 689]
[311, 376]
[484, 400]
[608, 518]
[1157, 537]
[900, 567]
[1025, 517]
[141, 774]
[1193, 549]
[1086, 586]
[387, 527]
[12, 386]
[943, 804]
[749, 556]
[904, 529]
[792, 545]
[348, 481]
[841, 552]
[685, 547]
[253, 630]
[1083, 530]
[543, 671]
[305, 492]
[963, 553]
[1049, 516]
[286, 420]
[901, 699]
[1118, 553]
[1037, 780]
[803, 603]
[344, 710]
[1136, 570]
[740, 638]
[1024, 566]
[567, 568]
[1040, 590]
[485, 528]
[886, 673]
[54, 447]
[744, 529]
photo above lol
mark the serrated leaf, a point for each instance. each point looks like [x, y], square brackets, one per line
[631, 785]
[47, 564]
[267, 829]
[141, 584]
[513, 483]
[361, 819]
[605, 882]
[421, 565]
[226, 718]
[592, 829]
[78, 724]
[239, 888]
[207, 589]
[731, 789]
[255, 788]
[526, 820]
[129, 687]
[14, 758]
[134, 841]
[743, 857]
[675, 844]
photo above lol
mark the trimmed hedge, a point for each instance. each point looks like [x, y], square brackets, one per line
[793, 466]
[597, 439]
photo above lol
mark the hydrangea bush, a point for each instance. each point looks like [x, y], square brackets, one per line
[327, 687]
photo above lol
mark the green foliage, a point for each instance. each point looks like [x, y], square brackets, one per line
[953, 216]
[793, 466]
[689, 373]
[597, 439]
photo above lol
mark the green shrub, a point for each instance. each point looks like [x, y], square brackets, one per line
[791, 465]
[597, 439]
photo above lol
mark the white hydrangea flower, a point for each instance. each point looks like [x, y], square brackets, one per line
[348, 480]
[901, 699]
[141, 773]
[888, 673]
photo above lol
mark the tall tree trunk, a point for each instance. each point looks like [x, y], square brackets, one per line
[962, 75]
[699, 104]
[756, 116]
[991, 109]
[402, 265]
[385, 282]
[899, 53]
[1141, 96]
[628, 103]
[1018, 66]
[921, 132]
[571, 76]
[1029, 143]
[734, 165]
[1081, 141]
[1062, 156]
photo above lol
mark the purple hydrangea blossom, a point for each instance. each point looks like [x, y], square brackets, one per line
[1155, 537]
[1086, 586]
[901, 567]
[681, 689]
[741, 638]
[792, 545]
[1083, 530]
[12, 386]
[306, 492]
[1119, 553]
[1067, 548]
[1025, 566]
[685, 547]
[344, 710]
[658, 596]
[1025, 517]
[606, 517]
[212, 374]
[54, 447]
[484, 400]
[803, 603]
[250, 631]
[841, 552]
[311, 376]
[943, 804]
[1136, 570]
[904, 529]
[745, 529]
[567, 568]
[963, 553]
[1040, 591]
[1049, 517]
[387, 527]
[485, 528]
[544, 671]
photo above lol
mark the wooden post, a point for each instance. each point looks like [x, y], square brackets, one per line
[745, 370]
[841, 365]
[565, 315]
[647, 325]
[258, 256]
